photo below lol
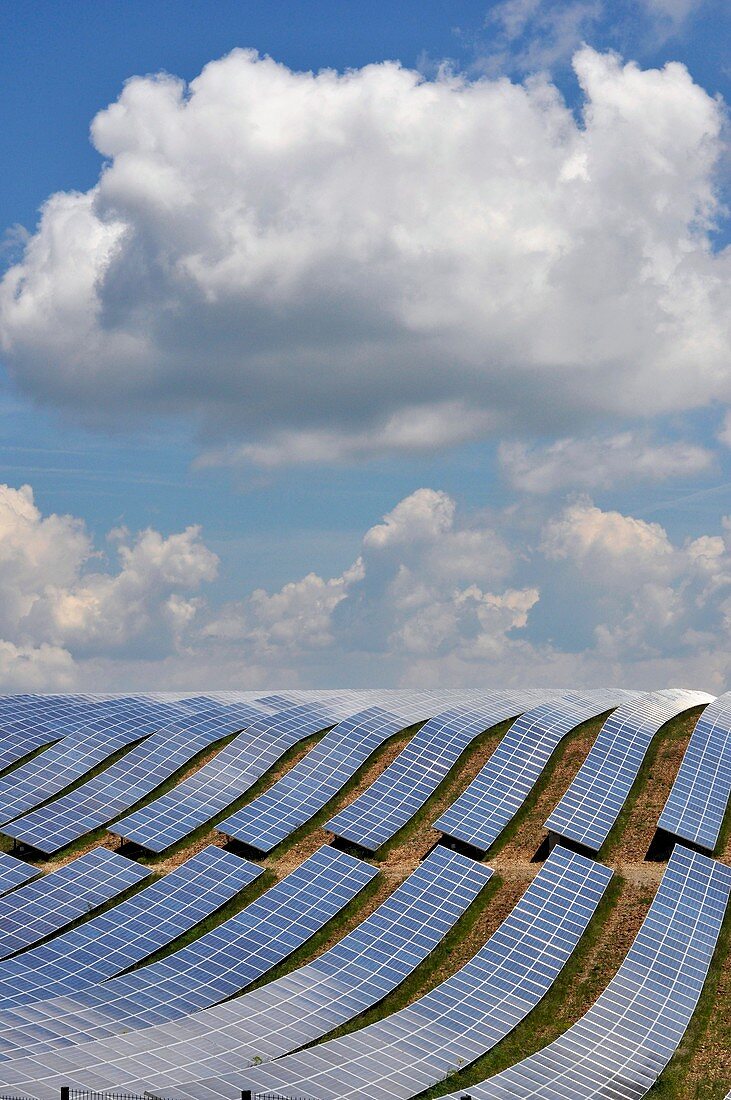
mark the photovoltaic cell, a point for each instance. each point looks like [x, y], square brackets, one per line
[14, 872]
[124, 783]
[124, 935]
[593, 802]
[41, 908]
[623, 1043]
[289, 1012]
[405, 785]
[228, 958]
[483, 810]
[230, 773]
[699, 798]
[311, 783]
[459, 1020]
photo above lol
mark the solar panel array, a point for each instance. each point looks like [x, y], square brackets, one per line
[483, 810]
[593, 802]
[112, 941]
[230, 774]
[59, 766]
[28, 725]
[77, 1008]
[311, 783]
[14, 872]
[94, 803]
[699, 797]
[41, 908]
[459, 1020]
[224, 960]
[622, 1044]
[404, 786]
[297, 1008]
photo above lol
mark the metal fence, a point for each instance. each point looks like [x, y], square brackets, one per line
[88, 1094]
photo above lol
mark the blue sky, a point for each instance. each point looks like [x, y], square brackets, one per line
[560, 306]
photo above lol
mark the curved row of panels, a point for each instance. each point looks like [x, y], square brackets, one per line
[170, 734]
[71, 1012]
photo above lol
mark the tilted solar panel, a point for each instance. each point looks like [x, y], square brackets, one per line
[130, 779]
[593, 802]
[14, 872]
[231, 773]
[623, 1043]
[41, 908]
[32, 728]
[699, 799]
[402, 789]
[483, 810]
[311, 783]
[37, 985]
[226, 959]
[459, 1020]
[66, 761]
[283, 1015]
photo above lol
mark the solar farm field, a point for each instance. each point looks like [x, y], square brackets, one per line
[367, 894]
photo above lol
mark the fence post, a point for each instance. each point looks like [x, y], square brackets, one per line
[65, 1090]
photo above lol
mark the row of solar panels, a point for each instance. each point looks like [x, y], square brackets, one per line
[585, 815]
[65, 1019]
[120, 1009]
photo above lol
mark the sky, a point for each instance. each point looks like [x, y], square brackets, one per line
[352, 344]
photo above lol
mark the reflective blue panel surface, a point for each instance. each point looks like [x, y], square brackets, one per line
[699, 799]
[591, 805]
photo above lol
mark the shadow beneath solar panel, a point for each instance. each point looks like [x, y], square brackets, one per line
[340, 844]
[543, 851]
[456, 845]
[661, 847]
[240, 848]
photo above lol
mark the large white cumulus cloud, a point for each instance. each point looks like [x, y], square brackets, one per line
[327, 266]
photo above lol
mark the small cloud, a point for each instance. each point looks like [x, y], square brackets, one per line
[599, 463]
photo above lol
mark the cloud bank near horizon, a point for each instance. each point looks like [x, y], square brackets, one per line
[435, 596]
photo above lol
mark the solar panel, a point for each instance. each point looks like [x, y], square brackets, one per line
[459, 1020]
[483, 810]
[25, 729]
[698, 801]
[623, 1043]
[14, 872]
[297, 1008]
[230, 774]
[65, 762]
[405, 785]
[311, 783]
[41, 908]
[120, 786]
[38, 985]
[226, 959]
[593, 802]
